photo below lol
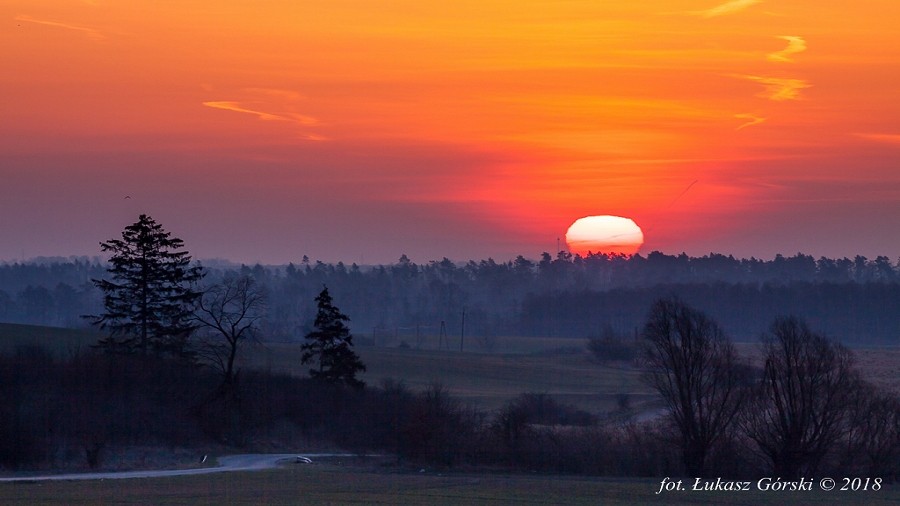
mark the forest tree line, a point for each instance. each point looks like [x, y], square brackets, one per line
[854, 300]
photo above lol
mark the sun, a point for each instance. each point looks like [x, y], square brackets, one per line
[604, 234]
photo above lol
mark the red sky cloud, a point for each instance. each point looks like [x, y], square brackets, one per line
[263, 132]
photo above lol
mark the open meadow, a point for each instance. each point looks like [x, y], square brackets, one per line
[559, 367]
[488, 380]
[59, 341]
[879, 365]
[356, 483]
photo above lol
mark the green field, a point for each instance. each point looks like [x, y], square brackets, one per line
[60, 341]
[557, 366]
[367, 484]
[487, 380]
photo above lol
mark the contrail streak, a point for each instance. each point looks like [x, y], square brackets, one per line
[650, 228]
[681, 194]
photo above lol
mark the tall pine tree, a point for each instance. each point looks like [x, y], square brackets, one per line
[330, 345]
[149, 295]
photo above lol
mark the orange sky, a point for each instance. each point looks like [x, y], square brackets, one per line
[272, 129]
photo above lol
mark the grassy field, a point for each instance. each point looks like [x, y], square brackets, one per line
[60, 341]
[877, 364]
[560, 367]
[881, 366]
[355, 484]
[487, 380]
[556, 366]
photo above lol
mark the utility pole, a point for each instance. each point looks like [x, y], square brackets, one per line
[462, 333]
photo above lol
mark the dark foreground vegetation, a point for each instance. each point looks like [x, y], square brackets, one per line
[68, 413]
[73, 412]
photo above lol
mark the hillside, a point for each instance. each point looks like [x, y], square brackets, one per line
[60, 341]
[555, 366]
[488, 380]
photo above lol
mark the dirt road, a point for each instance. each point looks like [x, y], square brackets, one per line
[248, 462]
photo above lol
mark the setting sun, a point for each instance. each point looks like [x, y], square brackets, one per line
[604, 234]
[462, 129]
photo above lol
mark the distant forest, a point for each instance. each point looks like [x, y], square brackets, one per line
[856, 301]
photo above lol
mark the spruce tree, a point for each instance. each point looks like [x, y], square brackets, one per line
[149, 295]
[331, 346]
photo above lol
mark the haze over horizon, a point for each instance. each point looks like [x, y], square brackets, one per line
[347, 132]
[533, 256]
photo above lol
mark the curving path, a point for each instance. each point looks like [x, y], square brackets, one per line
[247, 462]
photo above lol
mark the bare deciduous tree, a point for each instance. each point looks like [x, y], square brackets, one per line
[230, 311]
[694, 367]
[804, 402]
[873, 440]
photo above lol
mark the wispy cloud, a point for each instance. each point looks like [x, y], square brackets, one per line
[726, 8]
[270, 104]
[91, 33]
[236, 107]
[265, 116]
[752, 119]
[795, 45]
[779, 88]
[885, 138]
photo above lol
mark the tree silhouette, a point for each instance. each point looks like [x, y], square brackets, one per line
[150, 296]
[873, 437]
[695, 369]
[330, 345]
[231, 311]
[805, 398]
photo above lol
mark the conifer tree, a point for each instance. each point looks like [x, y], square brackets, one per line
[149, 295]
[331, 346]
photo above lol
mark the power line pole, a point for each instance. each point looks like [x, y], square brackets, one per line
[462, 333]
